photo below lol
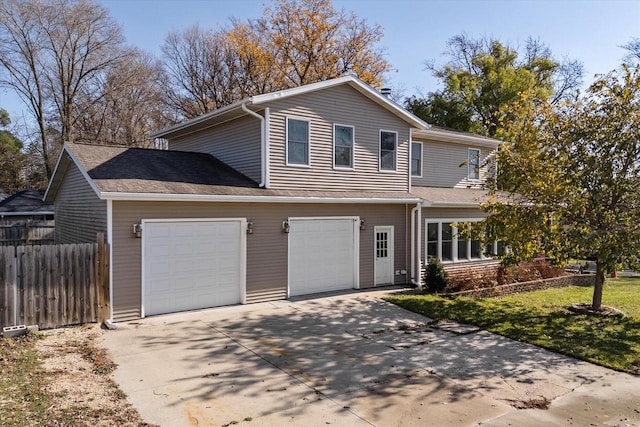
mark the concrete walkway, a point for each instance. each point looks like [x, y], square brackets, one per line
[353, 360]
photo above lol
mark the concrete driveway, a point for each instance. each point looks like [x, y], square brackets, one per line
[353, 360]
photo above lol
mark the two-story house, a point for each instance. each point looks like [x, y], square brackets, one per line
[323, 187]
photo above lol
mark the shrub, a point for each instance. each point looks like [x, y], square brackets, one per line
[435, 277]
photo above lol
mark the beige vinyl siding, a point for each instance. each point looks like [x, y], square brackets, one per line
[267, 247]
[337, 105]
[79, 213]
[236, 143]
[444, 164]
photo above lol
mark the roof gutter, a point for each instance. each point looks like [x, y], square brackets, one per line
[26, 213]
[161, 197]
[263, 143]
[457, 137]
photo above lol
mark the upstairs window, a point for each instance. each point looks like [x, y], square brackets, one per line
[474, 163]
[416, 159]
[297, 142]
[388, 143]
[343, 146]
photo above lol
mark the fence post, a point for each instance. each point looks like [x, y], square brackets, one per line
[103, 279]
[26, 232]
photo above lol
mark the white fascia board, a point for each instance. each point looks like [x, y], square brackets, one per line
[455, 137]
[286, 93]
[55, 171]
[84, 173]
[156, 197]
[74, 159]
[161, 133]
[432, 204]
[354, 81]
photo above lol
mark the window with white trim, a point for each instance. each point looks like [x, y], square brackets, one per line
[297, 142]
[343, 146]
[474, 163]
[388, 145]
[442, 242]
[416, 159]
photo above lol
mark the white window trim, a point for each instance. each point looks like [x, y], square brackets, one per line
[353, 148]
[395, 152]
[286, 141]
[454, 240]
[479, 178]
[419, 175]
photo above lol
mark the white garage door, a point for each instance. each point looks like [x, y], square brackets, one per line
[189, 265]
[322, 255]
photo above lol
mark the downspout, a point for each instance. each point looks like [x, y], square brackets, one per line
[267, 149]
[416, 244]
[419, 245]
[263, 170]
[413, 246]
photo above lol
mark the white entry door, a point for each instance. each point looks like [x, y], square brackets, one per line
[323, 254]
[384, 255]
[192, 264]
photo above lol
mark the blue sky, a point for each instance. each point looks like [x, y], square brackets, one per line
[414, 30]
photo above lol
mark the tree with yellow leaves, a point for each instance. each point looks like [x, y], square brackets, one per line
[569, 179]
[295, 43]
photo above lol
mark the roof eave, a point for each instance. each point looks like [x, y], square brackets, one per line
[196, 120]
[455, 137]
[27, 213]
[161, 197]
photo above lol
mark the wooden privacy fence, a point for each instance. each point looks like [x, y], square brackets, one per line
[54, 285]
[26, 232]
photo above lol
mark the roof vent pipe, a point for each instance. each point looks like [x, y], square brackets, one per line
[386, 92]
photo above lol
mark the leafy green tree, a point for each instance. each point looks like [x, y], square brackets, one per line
[484, 76]
[570, 180]
[11, 157]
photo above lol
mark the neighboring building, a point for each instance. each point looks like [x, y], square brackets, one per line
[26, 205]
[3, 195]
[318, 188]
[25, 218]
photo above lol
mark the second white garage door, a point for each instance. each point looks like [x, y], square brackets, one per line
[189, 265]
[323, 254]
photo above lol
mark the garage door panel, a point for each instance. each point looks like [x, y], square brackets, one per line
[321, 255]
[192, 265]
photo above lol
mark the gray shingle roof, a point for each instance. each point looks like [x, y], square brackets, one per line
[450, 196]
[26, 201]
[145, 171]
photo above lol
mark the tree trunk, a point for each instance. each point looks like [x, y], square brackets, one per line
[597, 290]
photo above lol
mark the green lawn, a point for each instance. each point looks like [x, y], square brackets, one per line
[542, 318]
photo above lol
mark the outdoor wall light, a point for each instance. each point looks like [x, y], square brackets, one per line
[250, 227]
[137, 230]
[285, 226]
[362, 226]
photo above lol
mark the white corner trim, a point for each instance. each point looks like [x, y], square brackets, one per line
[110, 241]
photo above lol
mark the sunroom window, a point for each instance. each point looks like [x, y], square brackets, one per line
[443, 242]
